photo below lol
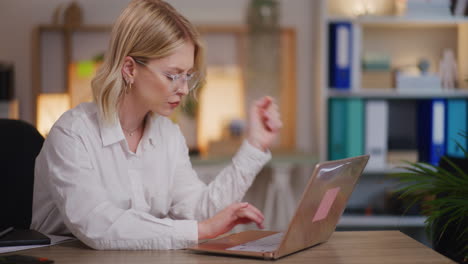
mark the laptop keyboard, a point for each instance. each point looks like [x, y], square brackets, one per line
[265, 244]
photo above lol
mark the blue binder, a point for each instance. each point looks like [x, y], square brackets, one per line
[340, 55]
[431, 130]
[457, 122]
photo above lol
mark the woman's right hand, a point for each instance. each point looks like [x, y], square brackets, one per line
[228, 218]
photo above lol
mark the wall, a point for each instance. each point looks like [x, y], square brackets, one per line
[18, 18]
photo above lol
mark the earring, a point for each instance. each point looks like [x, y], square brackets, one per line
[128, 87]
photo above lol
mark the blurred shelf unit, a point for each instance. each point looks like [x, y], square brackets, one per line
[9, 109]
[381, 221]
[55, 47]
[8, 103]
[401, 21]
[380, 91]
[65, 58]
[391, 93]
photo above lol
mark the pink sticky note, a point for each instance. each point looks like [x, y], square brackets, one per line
[326, 204]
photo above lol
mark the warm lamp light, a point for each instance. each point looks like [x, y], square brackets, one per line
[221, 100]
[362, 7]
[49, 108]
[80, 75]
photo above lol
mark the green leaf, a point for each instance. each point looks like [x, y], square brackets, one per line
[456, 168]
[462, 148]
[450, 189]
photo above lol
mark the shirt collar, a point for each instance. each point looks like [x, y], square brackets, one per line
[110, 133]
[113, 133]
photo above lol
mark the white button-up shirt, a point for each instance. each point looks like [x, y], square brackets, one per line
[89, 183]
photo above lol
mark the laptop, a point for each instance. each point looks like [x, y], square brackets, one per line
[317, 214]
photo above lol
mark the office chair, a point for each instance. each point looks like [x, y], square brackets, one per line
[20, 143]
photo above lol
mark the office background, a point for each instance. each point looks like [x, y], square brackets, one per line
[379, 38]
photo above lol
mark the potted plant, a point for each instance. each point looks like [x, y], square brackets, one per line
[447, 208]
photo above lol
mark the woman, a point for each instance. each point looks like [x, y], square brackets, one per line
[116, 173]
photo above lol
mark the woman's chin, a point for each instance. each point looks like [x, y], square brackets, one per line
[164, 112]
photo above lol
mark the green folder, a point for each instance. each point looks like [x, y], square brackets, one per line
[345, 128]
[355, 127]
[336, 129]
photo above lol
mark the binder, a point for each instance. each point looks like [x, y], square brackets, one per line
[376, 133]
[356, 65]
[336, 129]
[355, 124]
[346, 128]
[340, 55]
[457, 122]
[431, 130]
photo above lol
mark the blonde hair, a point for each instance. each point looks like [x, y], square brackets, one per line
[146, 29]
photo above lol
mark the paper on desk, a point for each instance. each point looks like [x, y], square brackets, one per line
[54, 240]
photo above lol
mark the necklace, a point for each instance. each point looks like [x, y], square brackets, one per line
[131, 132]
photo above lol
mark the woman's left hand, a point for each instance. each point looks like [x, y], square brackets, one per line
[264, 123]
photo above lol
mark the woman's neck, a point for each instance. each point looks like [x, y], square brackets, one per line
[131, 115]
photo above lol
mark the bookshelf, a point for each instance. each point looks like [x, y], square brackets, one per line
[359, 221]
[401, 21]
[390, 93]
[405, 40]
[400, 37]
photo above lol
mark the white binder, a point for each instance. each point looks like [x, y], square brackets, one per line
[376, 133]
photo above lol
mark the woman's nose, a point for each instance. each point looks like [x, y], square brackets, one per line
[182, 88]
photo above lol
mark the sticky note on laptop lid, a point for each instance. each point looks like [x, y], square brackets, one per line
[326, 204]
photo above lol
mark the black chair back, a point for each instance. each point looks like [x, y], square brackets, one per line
[19, 147]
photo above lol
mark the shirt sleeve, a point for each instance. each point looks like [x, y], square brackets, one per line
[193, 199]
[81, 199]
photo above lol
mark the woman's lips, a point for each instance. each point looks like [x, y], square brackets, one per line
[174, 104]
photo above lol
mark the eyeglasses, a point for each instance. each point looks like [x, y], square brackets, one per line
[177, 80]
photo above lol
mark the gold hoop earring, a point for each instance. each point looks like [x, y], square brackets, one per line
[128, 88]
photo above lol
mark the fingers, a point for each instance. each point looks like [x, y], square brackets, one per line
[234, 208]
[274, 125]
[256, 211]
[252, 214]
[271, 116]
[264, 102]
[238, 206]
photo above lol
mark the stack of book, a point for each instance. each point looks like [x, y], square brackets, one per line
[417, 81]
[376, 71]
[428, 8]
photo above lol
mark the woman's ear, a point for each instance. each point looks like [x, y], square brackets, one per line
[129, 69]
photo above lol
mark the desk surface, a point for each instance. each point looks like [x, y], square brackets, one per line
[343, 247]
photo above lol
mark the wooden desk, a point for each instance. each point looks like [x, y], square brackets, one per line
[343, 247]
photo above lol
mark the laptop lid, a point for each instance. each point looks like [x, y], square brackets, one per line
[322, 204]
[317, 214]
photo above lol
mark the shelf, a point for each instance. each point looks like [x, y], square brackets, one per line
[402, 21]
[405, 39]
[388, 170]
[373, 221]
[81, 28]
[396, 94]
[278, 158]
